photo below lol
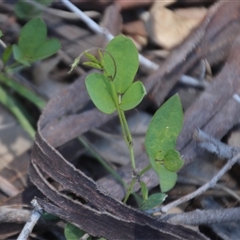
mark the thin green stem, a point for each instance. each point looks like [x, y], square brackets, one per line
[147, 168]
[129, 140]
[130, 189]
[85, 143]
[124, 125]
[127, 137]
[12, 66]
[23, 91]
[10, 103]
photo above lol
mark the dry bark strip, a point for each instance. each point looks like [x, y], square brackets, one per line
[216, 111]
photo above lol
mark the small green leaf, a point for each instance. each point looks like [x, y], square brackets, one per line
[18, 55]
[167, 179]
[23, 91]
[1, 34]
[133, 96]
[6, 54]
[91, 57]
[93, 65]
[99, 89]
[72, 232]
[164, 128]
[122, 52]
[153, 201]
[48, 48]
[32, 43]
[32, 36]
[144, 190]
[173, 161]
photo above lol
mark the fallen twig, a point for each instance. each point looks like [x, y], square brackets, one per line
[97, 29]
[222, 150]
[213, 145]
[36, 214]
[199, 217]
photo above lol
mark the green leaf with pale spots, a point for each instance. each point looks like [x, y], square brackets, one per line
[173, 161]
[161, 137]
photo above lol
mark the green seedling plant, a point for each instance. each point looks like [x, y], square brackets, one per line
[32, 46]
[113, 89]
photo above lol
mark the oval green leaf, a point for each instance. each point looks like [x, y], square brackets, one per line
[125, 56]
[153, 201]
[47, 49]
[133, 96]
[19, 56]
[72, 232]
[164, 128]
[99, 89]
[167, 179]
[32, 36]
[173, 161]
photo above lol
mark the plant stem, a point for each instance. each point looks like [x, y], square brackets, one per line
[134, 180]
[13, 66]
[128, 140]
[130, 190]
[85, 143]
[10, 103]
[147, 168]
[124, 125]
[23, 91]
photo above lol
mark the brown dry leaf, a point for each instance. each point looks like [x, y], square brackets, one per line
[169, 28]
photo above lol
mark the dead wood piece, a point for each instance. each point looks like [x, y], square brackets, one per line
[216, 111]
[199, 217]
[220, 17]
